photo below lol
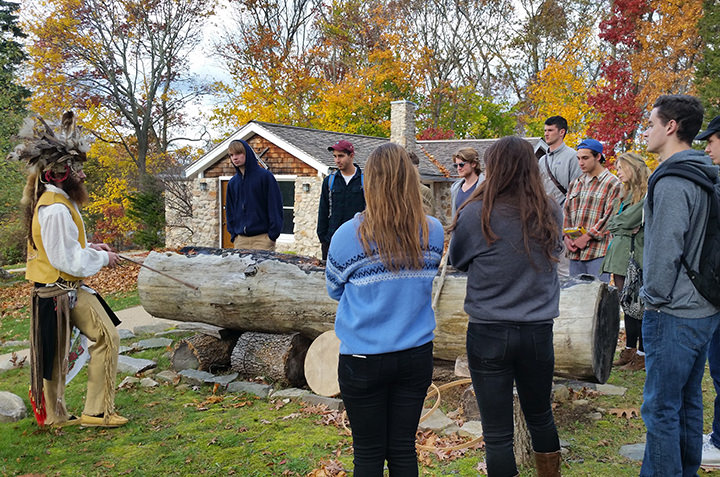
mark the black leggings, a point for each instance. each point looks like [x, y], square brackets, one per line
[633, 333]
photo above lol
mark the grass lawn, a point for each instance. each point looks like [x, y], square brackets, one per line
[176, 429]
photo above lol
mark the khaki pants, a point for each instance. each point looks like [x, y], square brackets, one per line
[90, 318]
[256, 242]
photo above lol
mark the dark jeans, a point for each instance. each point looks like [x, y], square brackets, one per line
[675, 356]
[714, 363]
[499, 354]
[383, 396]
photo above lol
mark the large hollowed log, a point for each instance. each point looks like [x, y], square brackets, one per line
[203, 352]
[281, 293]
[278, 358]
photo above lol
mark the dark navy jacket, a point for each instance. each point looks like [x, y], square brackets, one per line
[341, 205]
[253, 204]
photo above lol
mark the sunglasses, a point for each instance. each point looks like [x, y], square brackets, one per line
[459, 165]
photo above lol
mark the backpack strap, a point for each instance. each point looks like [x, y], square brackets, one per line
[560, 187]
[331, 182]
[683, 170]
[692, 174]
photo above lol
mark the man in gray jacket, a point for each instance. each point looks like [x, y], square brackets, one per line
[559, 167]
[678, 322]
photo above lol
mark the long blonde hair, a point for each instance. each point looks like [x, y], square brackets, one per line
[637, 184]
[394, 225]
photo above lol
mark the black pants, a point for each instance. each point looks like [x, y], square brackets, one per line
[498, 355]
[633, 333]
[384, 395]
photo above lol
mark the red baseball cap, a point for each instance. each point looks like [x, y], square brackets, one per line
[342, 145]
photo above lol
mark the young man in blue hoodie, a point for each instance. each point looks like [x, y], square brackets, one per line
[678, 322]
[253, 204]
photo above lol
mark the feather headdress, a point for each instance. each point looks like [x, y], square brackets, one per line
[44, 149]
[49, 154]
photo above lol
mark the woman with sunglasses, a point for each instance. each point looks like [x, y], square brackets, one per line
[466, 162]
[380, 268]
[507, 237]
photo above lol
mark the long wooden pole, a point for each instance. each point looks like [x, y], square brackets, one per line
[189, 285]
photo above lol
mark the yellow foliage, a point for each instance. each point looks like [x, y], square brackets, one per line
[360, 102]
[111, 203]
[669, 48]
[562, 88]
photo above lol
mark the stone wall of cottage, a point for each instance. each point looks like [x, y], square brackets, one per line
[202, 228]
[306, 210]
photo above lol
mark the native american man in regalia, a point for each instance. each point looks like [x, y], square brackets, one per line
[59, 258]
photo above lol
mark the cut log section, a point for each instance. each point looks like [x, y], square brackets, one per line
[278, 358]
[321, 364]
[282, 293]
[203, 352]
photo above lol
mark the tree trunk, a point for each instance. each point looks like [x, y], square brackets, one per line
[203, 352]
[278, 358]
[282, 293]
[521, 436]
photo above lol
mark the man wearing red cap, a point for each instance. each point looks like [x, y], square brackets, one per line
[342, 194]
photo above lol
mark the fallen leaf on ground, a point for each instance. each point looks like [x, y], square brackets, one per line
[627, 413]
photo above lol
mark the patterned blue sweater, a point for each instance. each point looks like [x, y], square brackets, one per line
[380, 311]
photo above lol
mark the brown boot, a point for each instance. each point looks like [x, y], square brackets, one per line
[547, 464]
[625, 357]
[636, 364]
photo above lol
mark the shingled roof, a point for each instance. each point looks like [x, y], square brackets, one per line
[310, 146]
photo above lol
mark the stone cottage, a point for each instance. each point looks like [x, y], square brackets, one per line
[299, 159]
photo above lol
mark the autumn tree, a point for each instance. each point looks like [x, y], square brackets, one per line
[366, 61]
[266, 49]
[615, 101]
[654, 51]
[562, 88]
[669, 49]
[536, 33]
[455, 61]
[127, 59]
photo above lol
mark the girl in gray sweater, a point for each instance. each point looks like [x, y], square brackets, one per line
[507, 237]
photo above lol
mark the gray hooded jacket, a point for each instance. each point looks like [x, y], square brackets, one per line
[675, 227]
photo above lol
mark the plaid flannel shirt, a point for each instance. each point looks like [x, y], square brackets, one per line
[589, 204]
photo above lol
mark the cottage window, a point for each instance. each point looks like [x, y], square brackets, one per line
[287, 189]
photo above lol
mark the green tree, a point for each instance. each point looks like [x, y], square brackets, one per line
[707, 74]
[468, 114]
[13, 96]
[13, 100]
[147, 207]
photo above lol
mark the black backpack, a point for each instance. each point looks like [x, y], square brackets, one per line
[707, 279]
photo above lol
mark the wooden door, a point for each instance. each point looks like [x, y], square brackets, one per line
[224, 234]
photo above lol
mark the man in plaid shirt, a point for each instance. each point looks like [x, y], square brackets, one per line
[588, 207]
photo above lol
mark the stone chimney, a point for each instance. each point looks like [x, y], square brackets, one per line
[402, 124]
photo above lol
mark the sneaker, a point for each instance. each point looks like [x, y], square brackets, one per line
[626, 355]
[637, 363]
[113, 420]
[710, 453]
